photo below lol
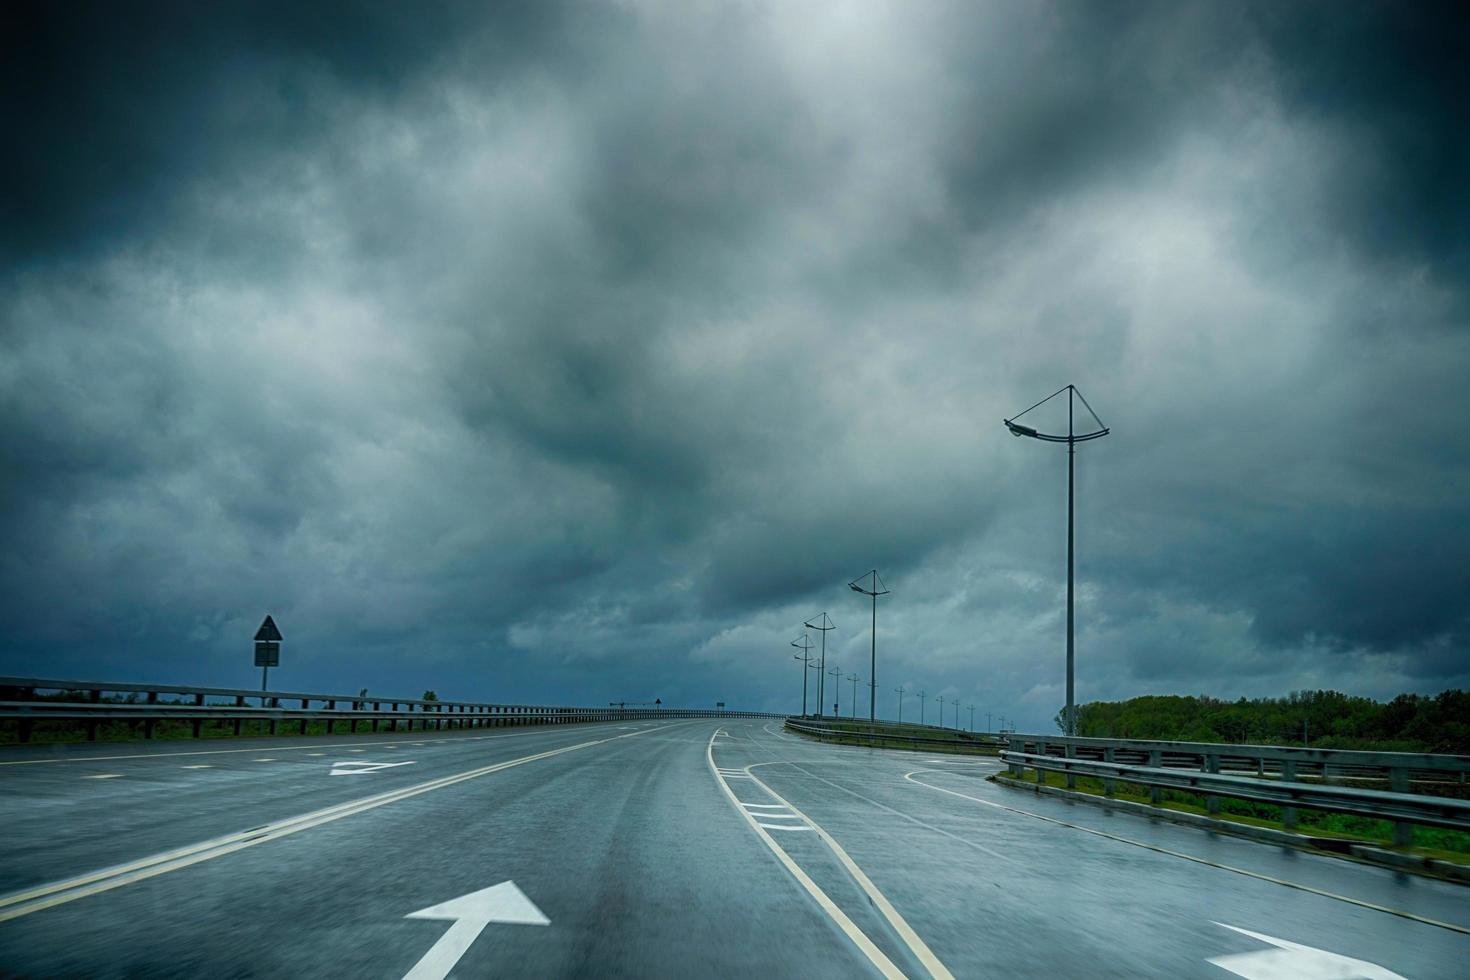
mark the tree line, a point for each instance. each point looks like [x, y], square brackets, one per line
[1326, 719]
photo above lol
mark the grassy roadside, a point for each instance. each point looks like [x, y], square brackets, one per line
[1432, 842]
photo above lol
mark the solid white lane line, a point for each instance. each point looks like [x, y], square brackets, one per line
[906, 932]
[1190, 857]
[897, 813]
[859, 938]
[274, 748]
[57, 893]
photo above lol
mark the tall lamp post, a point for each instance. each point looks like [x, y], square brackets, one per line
[823, 623]
[804, 646]
[877, 589]
[853, 710]
[956, 714]
[899, 692]
[1071, 439]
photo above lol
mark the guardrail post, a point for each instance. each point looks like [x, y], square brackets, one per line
[271, 703]
[1212, 765]
[1288, 813]
[25, 725]
[148, 722]
[95, 696]
[377, 707]
[198, 722]
[1155, 761]
[331, 722]
[1108, 782]
[239, 703]
[1071, 753]
[1403, 831]
[305, 704]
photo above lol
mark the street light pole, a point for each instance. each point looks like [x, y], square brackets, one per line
[823, 623]
[899, 692]
[878, 588]
[1071, 439]
[853, 710]
[806, 661]
[956, 714]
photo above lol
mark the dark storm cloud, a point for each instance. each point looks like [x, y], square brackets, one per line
[114, 106]
[563, 349]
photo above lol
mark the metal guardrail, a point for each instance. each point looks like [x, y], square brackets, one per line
[884, 737]
[1277, 775]
[23, 708]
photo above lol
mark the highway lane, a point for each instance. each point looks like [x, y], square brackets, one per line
[1005, 893]
[631, 840]
[71, 809]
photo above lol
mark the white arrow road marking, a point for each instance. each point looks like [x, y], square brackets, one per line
[355, 768]
[1293, 961]
[471, 914]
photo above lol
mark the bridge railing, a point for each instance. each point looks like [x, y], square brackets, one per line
[26, 701]
[1420, 787]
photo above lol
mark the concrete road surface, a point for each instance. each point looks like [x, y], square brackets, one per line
[668, 849]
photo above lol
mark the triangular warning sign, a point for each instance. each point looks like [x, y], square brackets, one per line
[268, 631]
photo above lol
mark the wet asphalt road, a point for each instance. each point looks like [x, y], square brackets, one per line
[672, 849]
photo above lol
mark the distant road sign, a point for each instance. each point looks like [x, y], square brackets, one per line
[267, 654]
[268, 631]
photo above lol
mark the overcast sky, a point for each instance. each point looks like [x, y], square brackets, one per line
[575, 353]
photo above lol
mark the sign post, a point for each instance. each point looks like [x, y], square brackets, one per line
[267, 649]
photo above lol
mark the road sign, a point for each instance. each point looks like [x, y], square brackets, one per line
[267, 654]
[268, 631]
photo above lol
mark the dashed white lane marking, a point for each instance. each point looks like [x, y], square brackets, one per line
[859, 938]
[354, 767]
[15, 905]
[105, 775]
[50, 760]
[897, 813]
[316, 753]
[1453, 927]
[268, 759]
[200, 766]
[906, 932]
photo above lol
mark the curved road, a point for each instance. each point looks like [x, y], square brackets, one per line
[671, 849]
